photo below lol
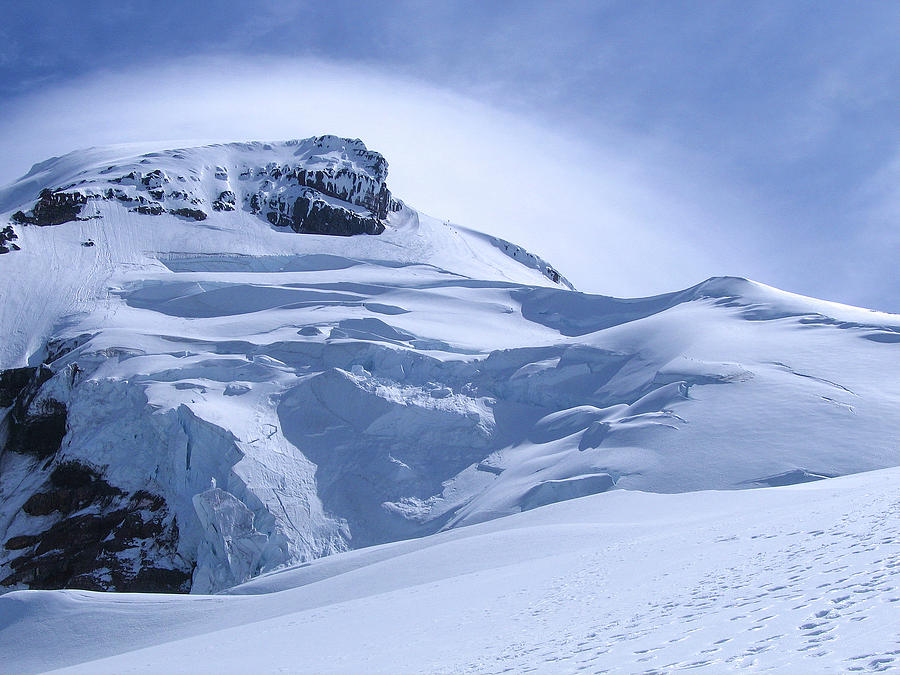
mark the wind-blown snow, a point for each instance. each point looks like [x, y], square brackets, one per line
[802, 578]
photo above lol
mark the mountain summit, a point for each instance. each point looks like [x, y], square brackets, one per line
[221, 360]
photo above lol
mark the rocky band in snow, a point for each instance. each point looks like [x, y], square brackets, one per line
[313, 193]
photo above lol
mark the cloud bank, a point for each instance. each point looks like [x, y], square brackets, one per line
[619, 216]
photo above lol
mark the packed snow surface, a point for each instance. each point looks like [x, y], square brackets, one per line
[800, 579]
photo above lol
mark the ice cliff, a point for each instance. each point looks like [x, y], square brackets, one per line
[200, 382]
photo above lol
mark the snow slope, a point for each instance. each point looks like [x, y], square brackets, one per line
[231, 395]
[802, 578]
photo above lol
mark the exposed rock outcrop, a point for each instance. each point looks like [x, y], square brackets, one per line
[35, 425]
[225, 201]
[315, 216]
[335, 187]
[53, 207]
[100, 538]
[193, 214]
[74, 528]
[7, 238]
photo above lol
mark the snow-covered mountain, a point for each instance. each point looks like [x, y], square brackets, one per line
[201, 382]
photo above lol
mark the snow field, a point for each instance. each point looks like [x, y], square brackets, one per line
[799, 578]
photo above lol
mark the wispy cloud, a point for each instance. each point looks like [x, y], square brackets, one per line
[638, 147]
[618, 217]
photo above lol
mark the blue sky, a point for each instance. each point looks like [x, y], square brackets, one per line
[640, 146]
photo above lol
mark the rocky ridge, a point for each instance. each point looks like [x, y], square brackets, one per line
[332, 186]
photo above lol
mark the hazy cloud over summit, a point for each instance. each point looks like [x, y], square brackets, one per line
[640, 146]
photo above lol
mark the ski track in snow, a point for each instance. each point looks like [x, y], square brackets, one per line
[796, 598]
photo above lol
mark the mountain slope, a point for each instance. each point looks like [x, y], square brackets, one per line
[190, 401]
[794, 579]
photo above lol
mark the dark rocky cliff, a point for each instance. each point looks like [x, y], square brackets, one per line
[342, 199]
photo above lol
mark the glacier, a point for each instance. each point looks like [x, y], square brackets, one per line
[226, 360]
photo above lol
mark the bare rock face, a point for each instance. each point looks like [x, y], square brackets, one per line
[193, 214]
[35, 426]
[99, 537]
[13, 382]
[336, 186]
[225, 201]
[315, 216]
[74, 529]
[53, 207]
[8, 237]
[333, 200]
